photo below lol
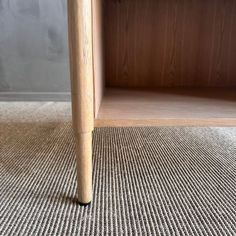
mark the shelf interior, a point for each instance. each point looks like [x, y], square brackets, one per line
[174, 60]
[168, 107]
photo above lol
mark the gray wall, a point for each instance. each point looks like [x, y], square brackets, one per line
[33, 49]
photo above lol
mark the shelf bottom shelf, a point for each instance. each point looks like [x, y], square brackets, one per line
[168, 107]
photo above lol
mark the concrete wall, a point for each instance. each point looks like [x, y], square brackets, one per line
[33, 49]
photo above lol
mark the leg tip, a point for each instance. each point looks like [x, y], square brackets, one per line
[84, 204]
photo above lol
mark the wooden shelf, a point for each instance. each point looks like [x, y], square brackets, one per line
[149, 45]
[168, 107]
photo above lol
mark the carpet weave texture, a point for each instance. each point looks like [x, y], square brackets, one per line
[146, 181]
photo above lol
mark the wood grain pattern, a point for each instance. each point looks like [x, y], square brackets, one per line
[170, 43]
[81, 71]
[168, 107]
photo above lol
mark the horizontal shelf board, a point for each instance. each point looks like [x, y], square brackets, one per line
[168, 107]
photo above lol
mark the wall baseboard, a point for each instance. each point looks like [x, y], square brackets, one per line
[34, 96]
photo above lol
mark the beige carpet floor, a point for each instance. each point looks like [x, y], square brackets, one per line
[146, 181]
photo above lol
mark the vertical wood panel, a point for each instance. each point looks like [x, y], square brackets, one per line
[98, 53]
[169, 43]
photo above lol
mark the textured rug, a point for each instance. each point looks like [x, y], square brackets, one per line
[146, 181]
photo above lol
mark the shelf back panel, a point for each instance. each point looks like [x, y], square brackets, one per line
[170, 43]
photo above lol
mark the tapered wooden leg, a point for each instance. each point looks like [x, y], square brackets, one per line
[81, 71]
[84, 167]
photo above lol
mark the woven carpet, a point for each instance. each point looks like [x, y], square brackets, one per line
[146, 181]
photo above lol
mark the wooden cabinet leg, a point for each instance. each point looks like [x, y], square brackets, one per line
[81, 71]
[84, 167]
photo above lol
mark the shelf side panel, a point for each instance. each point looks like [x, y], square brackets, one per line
[98, 53]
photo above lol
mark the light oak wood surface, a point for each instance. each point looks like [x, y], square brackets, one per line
[81, 71]
[168, 107]
[98, 58]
